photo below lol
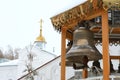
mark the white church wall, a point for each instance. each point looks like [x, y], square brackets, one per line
[51, 71]
[8, 72]
[40, 57]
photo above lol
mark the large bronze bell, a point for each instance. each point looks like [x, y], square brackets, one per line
[69, 63]
[83, 48]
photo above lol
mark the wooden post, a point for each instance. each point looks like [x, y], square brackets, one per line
[84, 73]
[63, 53]
[105, 45]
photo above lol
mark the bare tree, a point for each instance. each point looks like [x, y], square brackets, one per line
[16, 53]
[9, 53]
[29, 66]
[1, 54]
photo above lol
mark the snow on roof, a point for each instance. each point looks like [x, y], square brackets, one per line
[10, 63]
[4, 60]
[36, 49]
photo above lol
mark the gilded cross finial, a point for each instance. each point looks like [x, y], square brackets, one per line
[40, 38]
[41, 23]
[41, 27]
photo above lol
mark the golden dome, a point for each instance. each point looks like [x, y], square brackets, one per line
[40, 38]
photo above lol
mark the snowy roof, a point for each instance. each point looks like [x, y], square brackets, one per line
[10, 63]
[4, 60]
[36, 49]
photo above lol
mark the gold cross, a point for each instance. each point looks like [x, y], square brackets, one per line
[41, 23]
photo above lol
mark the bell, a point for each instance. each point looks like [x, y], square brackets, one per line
[69, 63]
[83, 47]
[74, 65]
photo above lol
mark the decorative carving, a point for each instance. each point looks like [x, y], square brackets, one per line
[75, 14]
[111, 4]
[111, 43]
[95, 4]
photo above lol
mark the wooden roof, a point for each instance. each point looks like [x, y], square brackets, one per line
[86, 12]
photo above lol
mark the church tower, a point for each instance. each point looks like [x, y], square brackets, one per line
[40, 40]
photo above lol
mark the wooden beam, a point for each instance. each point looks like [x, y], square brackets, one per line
[63, 53]
[84, 73]
[72, 23]
[93, 14]
[114, 57]
[105, 45]
[69, 36]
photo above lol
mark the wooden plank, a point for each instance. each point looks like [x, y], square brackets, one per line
[63, 53]
[84, 73]
[72, 23]
[94, 14]
[114, 57]
[69, 36]
[105, 46]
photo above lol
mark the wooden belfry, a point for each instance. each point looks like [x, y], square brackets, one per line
[104, 21]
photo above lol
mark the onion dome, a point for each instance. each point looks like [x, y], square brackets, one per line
[40, 38]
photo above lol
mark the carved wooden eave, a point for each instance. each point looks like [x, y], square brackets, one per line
[86, 11]
[71, 17]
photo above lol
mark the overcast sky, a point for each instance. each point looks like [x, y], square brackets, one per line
[19, 21]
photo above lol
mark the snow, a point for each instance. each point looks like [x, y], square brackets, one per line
[10, 63]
